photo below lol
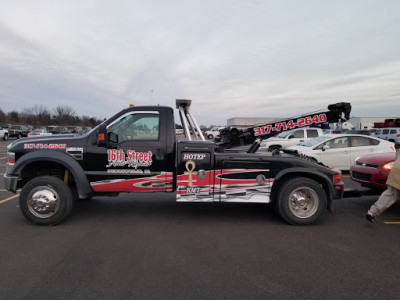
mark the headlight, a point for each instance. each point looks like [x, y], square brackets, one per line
[10, 161]
[388, 166]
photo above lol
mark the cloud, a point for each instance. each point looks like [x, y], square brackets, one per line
[233, 58]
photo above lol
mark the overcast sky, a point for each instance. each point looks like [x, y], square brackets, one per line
[233, 58]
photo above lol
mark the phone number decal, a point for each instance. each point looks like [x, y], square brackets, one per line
[45, 146]
[301, 122]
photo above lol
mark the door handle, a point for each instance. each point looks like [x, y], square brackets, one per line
[159, 154]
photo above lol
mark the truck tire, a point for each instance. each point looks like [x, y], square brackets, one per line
[301, 201]
[46, 200]
[210, 136]
[5, 137]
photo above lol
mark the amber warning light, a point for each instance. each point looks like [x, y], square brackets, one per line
[101, 136]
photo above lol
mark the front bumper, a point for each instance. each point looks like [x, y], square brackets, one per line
[10, 182]
[375, 178]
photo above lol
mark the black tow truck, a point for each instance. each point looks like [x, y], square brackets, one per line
[137, 151]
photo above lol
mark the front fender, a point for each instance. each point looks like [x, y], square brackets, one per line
[82, 184]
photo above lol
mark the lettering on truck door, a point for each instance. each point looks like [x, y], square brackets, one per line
[195, 177]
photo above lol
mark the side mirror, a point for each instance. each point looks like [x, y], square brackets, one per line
[325, 147]
[112, 138]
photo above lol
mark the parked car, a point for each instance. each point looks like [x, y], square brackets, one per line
[391, 134]
[341, 150]
[59, 130]
[213, 132]
[39, 132]
[179, 131]
[86, 129]
[3, 133]
[373, 170]
[18, 131]
[290, 138]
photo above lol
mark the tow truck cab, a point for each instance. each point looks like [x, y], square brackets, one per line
[137, 151]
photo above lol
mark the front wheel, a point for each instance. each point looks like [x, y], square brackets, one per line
[46, 200]
[301, 201]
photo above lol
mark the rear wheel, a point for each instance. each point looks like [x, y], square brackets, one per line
[19, 135]
[46, 200]
[301, 201]
[5, 137]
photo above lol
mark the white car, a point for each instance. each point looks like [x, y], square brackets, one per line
[213, 132]
[341, 150]
[4, 134]
[39, 132]
[290, 138]
[391, 134]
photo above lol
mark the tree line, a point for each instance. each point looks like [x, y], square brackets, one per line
[39, 115]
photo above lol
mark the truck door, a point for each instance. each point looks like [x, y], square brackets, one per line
[297, 136]
[136, 160]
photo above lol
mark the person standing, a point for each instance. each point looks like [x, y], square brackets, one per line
[390, 195]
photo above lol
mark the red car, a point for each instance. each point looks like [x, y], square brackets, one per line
[373, 170]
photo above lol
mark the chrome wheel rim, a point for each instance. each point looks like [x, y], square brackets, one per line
[43, 202]
[303, 202]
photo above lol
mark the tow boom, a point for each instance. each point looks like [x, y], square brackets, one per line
[233, 137]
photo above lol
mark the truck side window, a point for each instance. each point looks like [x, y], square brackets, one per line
[136, 126]
[298, 134]
[311, 133]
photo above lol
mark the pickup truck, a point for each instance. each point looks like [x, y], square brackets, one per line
[213, 132]
[136, 151]
[290, 138]
[18, 131]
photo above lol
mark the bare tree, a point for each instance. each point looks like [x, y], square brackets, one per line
[13, 117]
[65, 115]
[36, 115]
[3, 116]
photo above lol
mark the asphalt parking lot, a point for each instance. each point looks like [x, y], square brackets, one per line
[150, 247]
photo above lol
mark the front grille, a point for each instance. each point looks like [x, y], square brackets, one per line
[361, 176]
[367, 165]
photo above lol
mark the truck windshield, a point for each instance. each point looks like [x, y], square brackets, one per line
[284, 134]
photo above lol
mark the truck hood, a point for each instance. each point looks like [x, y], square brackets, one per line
[55, 141]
